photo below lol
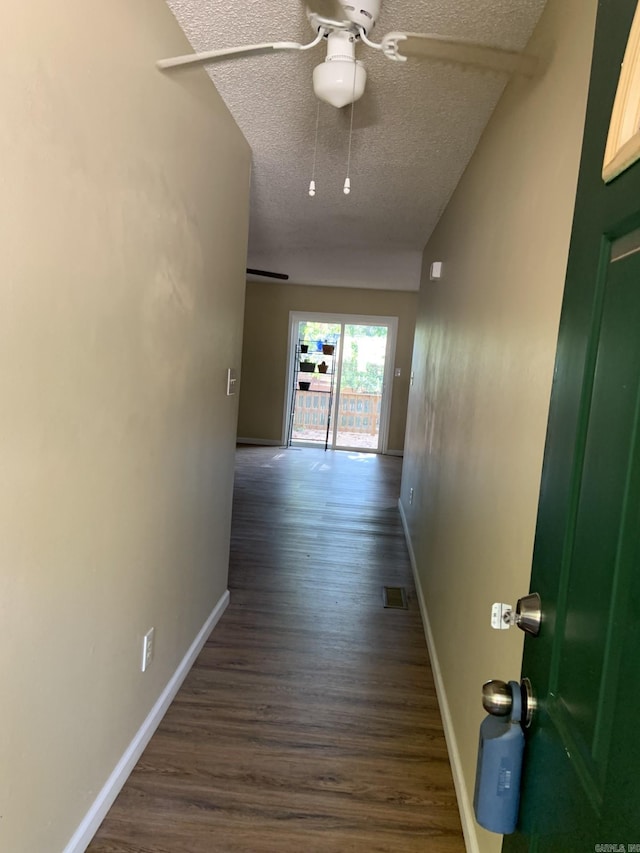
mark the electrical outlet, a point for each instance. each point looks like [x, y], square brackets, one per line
[148, 643]
[410, 496]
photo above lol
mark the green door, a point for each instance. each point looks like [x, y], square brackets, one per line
[581, 785]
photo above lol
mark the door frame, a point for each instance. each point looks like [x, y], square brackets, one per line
[295, 318]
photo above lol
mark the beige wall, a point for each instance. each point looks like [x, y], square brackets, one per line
[264, 355]
[483, 358]
[123, 221]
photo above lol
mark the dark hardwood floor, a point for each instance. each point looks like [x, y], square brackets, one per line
[309, 722]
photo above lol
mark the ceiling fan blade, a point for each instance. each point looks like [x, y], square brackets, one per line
[268, 274]
[458, 51]
[228, 53]
[331, 9]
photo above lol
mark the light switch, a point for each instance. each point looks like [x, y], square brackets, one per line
[397, 372]
[232, 380]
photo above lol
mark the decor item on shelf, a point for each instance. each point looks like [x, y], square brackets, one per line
[309, 367]
[328, 349]
[304, 386]
[323, 367]
[304, 347]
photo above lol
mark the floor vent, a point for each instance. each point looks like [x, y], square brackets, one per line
[394, 596]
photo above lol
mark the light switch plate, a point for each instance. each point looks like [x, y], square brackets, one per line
[435, 272]
[148, 644]
[232, 381]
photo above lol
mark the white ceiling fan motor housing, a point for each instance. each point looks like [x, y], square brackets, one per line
[340, 79]
[358, 14]
[363, 13]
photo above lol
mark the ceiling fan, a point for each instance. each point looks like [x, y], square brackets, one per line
[341, 79]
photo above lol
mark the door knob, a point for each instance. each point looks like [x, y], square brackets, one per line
[505, 700]
[497, 698]
[527, 616]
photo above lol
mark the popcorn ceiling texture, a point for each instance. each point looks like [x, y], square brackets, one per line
[414, 131]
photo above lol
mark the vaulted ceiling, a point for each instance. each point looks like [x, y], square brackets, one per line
[414, 131]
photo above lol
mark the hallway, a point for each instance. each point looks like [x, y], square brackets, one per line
[309, 722]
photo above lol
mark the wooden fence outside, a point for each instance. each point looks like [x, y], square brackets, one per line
[358, 413]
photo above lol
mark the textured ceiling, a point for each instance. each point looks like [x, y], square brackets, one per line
[414, 131]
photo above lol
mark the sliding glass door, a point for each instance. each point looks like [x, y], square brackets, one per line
[340, 379]
[315, 358]
[359, 401]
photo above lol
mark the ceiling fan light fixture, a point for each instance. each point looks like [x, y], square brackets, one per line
[333, 81]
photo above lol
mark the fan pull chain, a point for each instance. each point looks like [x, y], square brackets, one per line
[312, 182]
[347, 181]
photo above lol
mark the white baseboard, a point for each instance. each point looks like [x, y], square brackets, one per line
[467, 817]
[260, 441]
[105, 799]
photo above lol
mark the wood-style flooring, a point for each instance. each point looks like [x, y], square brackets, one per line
[309, 723]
